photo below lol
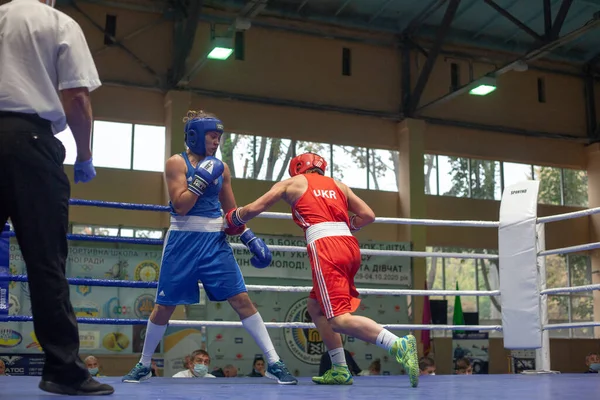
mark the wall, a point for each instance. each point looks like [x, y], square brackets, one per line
[294, 88]
[515, 101]
[276, 67]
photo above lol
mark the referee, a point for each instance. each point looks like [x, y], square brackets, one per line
[46, 75]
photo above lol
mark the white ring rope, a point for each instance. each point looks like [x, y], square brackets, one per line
[570, 215]
[570, 289]
[296, 249]
[307, 325]
[404, 221]
[571, 325]
[388, 292]
[571, 249]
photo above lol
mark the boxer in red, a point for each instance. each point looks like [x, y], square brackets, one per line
[320, 207]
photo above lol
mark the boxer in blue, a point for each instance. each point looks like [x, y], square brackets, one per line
[196, 247]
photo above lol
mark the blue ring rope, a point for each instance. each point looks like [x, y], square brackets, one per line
[96, 238]
[114, 204]
[81, 320]
[89, 282]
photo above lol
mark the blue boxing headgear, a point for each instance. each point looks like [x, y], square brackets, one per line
[195, 132]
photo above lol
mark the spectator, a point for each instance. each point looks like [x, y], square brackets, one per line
[593, 363]
[198, 368]
[258, 368]
[92, 365]
[228, 371]
[463, 367]
[427, 366]
[374, 369]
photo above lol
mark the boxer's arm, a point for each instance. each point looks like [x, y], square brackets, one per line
[364, 215]
[266, 201]
[226, 196]
[182, 199]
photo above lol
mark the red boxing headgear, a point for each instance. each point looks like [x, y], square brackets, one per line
[304, 162]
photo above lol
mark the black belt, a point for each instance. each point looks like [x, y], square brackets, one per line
[15, 121]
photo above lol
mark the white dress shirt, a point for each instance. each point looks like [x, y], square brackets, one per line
[42, 51]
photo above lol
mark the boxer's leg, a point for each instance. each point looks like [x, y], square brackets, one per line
[176, 285]
[222, 279]
[335, 271]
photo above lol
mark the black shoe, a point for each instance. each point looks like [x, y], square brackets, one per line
[89, 387]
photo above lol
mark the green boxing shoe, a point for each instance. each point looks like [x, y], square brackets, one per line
[405, 351]
[337, 375]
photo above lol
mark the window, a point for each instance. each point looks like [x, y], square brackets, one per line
[237, 151]
[272, 159]
[68, 141]
[383, 170]
[349, 165]
[126, 232]
[550, 185]
[122, 146]
[514, 173]
[148, 233]
[112, 144]
[453, 176]
[561, 271]
[149, 148]
[575, 187]
[484, 178]
[323, 149]
[470, 274]
[431, 174]
[116, 231]
[487, 179]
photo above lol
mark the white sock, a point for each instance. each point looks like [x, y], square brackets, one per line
[386, 339]
[256, 327]
[154, 334]
[338, 356]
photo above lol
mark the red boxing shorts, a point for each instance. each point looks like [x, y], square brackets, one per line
[335, 260]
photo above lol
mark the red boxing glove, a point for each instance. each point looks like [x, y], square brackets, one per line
[235, 225]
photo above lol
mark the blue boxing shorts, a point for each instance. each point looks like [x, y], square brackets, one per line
[196, 249]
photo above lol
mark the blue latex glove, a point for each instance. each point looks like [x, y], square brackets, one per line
[84, 171]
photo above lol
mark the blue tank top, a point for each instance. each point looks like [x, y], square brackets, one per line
[207, 205]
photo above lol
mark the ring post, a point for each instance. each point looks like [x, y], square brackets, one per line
[519, 282]
[542, 355]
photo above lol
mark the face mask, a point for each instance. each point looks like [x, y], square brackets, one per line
[200, 369]
[93, 371]
[595, 367]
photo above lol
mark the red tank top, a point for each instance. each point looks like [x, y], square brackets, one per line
[323, 201]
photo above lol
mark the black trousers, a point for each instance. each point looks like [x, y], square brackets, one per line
[34, 194]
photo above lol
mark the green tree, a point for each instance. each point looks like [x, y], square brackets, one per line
[567, 187]
[477, 179]
[480, 178]
[574, 186]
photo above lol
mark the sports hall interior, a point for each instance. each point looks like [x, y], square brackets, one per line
[385, 75]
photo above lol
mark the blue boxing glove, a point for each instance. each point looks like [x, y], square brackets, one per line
[207, 171]
[262, 255]
[84, 171]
